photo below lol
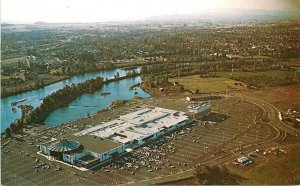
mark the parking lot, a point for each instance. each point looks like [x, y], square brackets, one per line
[181, 150]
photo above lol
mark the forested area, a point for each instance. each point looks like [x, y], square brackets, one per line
[157, 75]
[259, 81]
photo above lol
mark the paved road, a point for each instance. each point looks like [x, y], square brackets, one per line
[273, 114]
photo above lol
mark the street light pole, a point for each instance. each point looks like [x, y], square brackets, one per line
[227, 117]
[240, 145]
[256, 134]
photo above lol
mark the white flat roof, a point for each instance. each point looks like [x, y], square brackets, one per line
[136, 125]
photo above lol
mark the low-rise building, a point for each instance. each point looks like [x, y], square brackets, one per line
[103, 142]
[199, 111]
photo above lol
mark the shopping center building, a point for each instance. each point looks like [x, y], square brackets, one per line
[103, 142]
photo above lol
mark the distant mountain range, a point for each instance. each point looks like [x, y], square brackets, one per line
[237, 14]
[219, 15]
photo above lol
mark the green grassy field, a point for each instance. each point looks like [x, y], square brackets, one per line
[223, 80]
[206, 85]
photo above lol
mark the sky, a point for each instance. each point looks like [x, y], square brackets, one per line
[62, 11]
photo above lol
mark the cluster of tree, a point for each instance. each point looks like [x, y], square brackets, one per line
[214, 175]
[12, 81]
[60, 98]
[294, 121]
[63, 97]
[134, 85]
[260, 81]
[14, 86]
[156, 68]
[117, 75]
[39, 84]
[19, 124]
[38, 66]
[14, 89]
[183, 69]
[208, 75]
[153, 81]
[152, 74]
[71, 67]
[118, 103]
[131, 73]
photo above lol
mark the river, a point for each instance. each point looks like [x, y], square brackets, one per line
[87, 103]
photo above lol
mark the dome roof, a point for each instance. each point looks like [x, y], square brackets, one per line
[64, 145]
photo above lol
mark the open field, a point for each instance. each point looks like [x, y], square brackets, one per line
[223, 81]
[272, 170]
[206, 85]
[267, 169]
[291, 63]
[282, 97]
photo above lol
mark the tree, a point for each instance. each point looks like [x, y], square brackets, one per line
[63, 69]
[117, 76]
[14, 127]
[7, 133]
[19, 124]
[144, 70]
[42, 83]
[3, 92]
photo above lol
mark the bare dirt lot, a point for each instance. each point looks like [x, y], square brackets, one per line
[282, 97]
[273, 169]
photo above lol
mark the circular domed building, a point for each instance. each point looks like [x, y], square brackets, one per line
[61, 147]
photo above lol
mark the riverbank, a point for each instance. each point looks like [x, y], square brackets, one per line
[51, 79]
[30, 85]
[60, 98]
[35, 97]
[54, 102]
[43, 80]
[89, 104]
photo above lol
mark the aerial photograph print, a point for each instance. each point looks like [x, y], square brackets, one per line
[150, 92]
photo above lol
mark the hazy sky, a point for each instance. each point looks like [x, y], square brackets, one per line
[29, 11]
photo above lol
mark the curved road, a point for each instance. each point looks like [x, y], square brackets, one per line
[273, 114]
